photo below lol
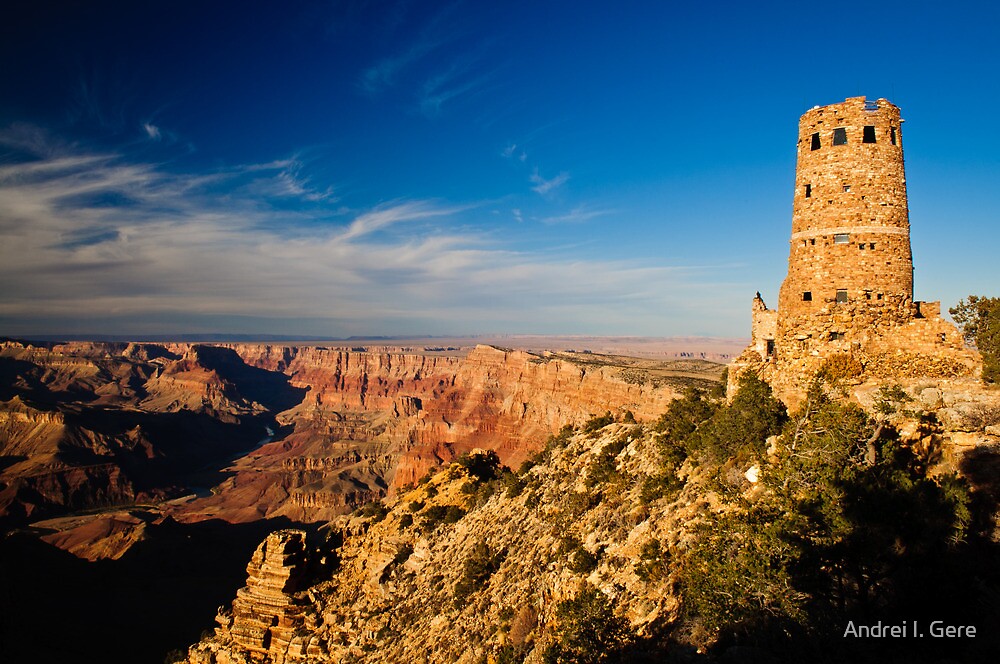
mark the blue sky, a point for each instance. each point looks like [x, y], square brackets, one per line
[360, 168]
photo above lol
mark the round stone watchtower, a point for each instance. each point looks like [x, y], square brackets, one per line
[846, 309]
[850, 225]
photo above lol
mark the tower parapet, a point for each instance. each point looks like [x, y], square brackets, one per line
[849, 290]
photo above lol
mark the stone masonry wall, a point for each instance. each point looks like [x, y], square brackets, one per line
[850, 224]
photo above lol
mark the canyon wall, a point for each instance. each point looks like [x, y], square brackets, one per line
[374, 420]
[249, 431]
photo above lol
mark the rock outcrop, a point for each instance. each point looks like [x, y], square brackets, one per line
[266, 612]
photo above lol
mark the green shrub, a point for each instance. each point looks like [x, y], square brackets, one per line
[661, 485]
[526, 466]
[653, 561]
[578, 559]
[741, 428]
[514, 483]
[438, 514]
[684, 416]
[376, 510]
[582, 561]
[979, 319]
[604, 467]
[737, 575]
[511, 654]
[482, 467]
[476, 571]
[889, 400]
[836, 535]
[588, 631]
[578, 503]
[596, 423]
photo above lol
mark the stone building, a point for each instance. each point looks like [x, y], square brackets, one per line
[846, 306]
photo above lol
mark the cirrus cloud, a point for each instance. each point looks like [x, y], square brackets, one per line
[92, 236]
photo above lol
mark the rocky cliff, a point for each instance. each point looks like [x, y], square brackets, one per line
[372, 421]
[589, 553]
[88, 424]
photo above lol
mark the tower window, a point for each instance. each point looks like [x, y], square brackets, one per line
[841, 296]
[809, 191]
[812, 241]
[840, 136]
[861, 246]
[836, 336]
[807, 296]
[892, 135]
[879, 296]
[847, 188]
[869, 134]
[842, 238]
[770, 347]
[871, 245]
[815, 140]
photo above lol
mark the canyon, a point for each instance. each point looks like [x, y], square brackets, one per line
[242, 432]
[117, 456]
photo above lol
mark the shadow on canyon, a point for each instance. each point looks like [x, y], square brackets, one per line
[158, 597]
[271, 389]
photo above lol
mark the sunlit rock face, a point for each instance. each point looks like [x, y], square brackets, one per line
[265, 611]
[242, 432]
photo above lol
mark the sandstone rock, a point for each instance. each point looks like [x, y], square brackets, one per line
[930, 397]
[266, 612]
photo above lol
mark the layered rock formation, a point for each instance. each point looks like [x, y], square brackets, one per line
[266, 612]
[107, 424]
[91, 425]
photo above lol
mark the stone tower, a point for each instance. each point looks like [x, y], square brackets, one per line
[850, 225]
[846, 307]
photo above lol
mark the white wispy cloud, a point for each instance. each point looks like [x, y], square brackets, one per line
[513, 152]
[152, 131]
[543, 186]
[439, 90]
[387, 215]
[386, 71]
[291, 181]
[97, 237]
[577, 215]
[461, 78]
